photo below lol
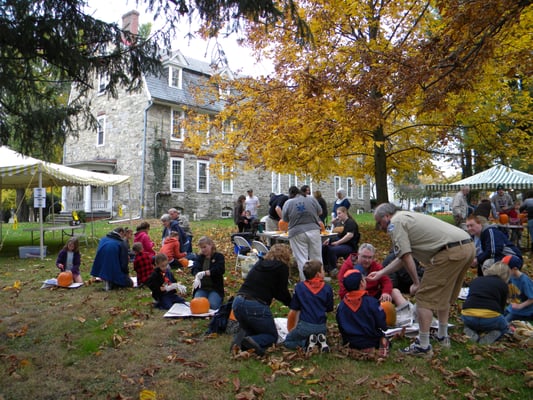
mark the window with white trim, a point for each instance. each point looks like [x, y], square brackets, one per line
[100, 131]
[103, 81]
[276, 183]
[293, 180]
[349, 188]
[227, 183]
[177, 124]
[360, 192]
[175, 75]
[176, 174]
[336, 183]
[202, 176]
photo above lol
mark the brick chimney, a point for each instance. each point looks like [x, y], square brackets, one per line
[130, 22]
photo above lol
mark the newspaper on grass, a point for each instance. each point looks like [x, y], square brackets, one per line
[183, 310]
[53, 283]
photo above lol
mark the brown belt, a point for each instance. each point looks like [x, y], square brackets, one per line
[455, 244]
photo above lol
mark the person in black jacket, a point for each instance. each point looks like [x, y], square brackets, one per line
[208, 270]
[267, 280]
[484, 307]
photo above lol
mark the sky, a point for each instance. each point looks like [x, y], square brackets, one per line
[239, 58]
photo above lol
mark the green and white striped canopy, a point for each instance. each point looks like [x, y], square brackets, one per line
[19, 171]
[489, 180]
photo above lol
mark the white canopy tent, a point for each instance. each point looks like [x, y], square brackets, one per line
[19, 171]
[489, 180]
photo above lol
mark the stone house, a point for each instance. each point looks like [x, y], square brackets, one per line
[141, 134]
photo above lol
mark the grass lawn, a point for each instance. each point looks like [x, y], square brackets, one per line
[87, 343]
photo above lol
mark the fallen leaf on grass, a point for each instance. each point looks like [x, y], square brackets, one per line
[21, 332]
[147, 395]
[16, 286]
[80, 319]
[312, 381]
[133, 324]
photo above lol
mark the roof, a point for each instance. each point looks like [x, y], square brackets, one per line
[490, 179]
[20, 171]
[195, 75]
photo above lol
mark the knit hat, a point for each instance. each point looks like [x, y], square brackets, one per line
[513, 261]
[352, 279]
[499, 187]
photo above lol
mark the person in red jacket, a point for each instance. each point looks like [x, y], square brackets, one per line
[364, 261]
[143, 263]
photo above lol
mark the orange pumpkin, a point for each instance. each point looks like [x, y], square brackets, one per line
[504, 219]
[184, 262]
[64, 279]
[322, 227]
[390, 312]
[199, 305]
[283, 226]
[292, 320]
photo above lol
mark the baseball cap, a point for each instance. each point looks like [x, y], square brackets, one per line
[499, 187]
[352, 279]
[513, 261]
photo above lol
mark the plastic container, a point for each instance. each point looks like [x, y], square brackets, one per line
[31, 251]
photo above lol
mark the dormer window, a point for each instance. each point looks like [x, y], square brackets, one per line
[175, 77]
[103, 81]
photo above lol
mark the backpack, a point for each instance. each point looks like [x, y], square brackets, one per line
[219, 322]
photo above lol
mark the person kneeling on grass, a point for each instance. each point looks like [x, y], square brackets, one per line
[521, 291]
[312, 300]
[163, 284]
[483, 308]
[361, 319]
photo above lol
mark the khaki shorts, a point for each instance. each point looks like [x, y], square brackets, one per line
[444, 276]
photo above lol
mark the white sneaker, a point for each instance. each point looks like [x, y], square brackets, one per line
[311, 343]
[324, 348]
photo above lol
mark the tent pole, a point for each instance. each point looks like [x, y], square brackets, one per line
[41, 232]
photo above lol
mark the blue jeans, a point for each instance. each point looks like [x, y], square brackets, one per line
[481, 325]
[331, 253]
[256, 320]
[299, 335]
[215, 301]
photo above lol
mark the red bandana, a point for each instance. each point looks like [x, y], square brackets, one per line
[354, 299]
[315, 284]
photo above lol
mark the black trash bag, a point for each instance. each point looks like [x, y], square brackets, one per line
[219, 322]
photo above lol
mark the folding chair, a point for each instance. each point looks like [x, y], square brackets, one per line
[260, 247]
[240, 244]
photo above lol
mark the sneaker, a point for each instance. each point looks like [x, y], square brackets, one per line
[417, 350]
[471, 334]
[311, 343]
[444, 341]
[248, 343]
[324, 348]
[490, 337]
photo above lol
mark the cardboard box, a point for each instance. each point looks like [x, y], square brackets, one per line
[31, 251]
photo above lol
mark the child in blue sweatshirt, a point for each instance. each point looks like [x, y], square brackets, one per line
[312, 299]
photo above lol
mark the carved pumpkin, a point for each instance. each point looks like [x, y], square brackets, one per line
[504, 219]
[64, 279]
[283, 226]
[292, 320]
[184, 262]
[199, 305]
[390, 312]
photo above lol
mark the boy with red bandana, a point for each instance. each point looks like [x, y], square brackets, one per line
[361, 319]
[312, 299]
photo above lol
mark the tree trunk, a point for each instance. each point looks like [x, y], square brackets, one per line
[380, 166]
[22, 210]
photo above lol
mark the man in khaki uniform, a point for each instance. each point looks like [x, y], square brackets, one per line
[446, 253]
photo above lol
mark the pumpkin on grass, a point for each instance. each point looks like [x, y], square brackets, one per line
[199, 305]
[64, 279]
[292, 320]
[390, 312]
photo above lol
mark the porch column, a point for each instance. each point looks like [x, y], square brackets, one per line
[87, 199]
[66, 206]
[110, 200]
